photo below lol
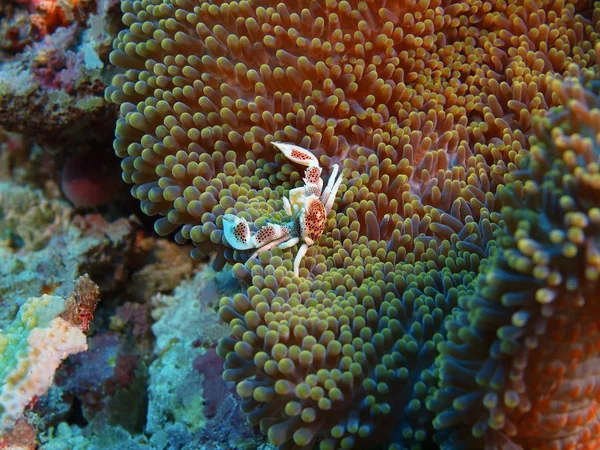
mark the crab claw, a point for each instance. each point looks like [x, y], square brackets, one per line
[297, 154]
[237, 232]
[268, 233]
[312, 180]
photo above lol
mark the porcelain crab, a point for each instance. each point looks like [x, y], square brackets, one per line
[308, 206]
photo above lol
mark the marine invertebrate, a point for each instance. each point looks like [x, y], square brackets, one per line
[308, 208]
[51, 14]
[105, 382]
[15, 29]
[215, 390]
[425, 106]
[46, 330]
[521, 362]
[344, 359]
[432, 96]
[174, 394]
[55, 88]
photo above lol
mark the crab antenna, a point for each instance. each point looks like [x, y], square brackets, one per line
[297, 154]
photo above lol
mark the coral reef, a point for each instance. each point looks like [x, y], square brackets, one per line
[13, 153]
[214, 388]
[22, 437]
[100, 398]
[15, 29]
[90, 179]
[46, 330]
[89, 245]
[108, 381]
[447, 299]
[175, 396]
[188, 401]
[53, 87]
[162, 267]
[28, 220]
[53, 71]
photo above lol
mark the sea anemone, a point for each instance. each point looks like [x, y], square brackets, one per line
[521, 361]
[427, 106]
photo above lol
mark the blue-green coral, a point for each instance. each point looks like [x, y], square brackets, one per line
[427, 105]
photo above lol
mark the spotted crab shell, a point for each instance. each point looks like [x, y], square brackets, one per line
[312, 221]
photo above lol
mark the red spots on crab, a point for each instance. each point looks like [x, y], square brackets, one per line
[269, 233]
[265, 234]
[302, 156]
[240, 231]
[314, 218]
[297, 154]
[312, 175]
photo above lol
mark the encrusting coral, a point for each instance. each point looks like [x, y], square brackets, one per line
[51, 88]
[46, 330]
[27, 219]
[426, 106]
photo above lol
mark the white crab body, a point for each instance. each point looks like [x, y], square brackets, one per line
[308, 206]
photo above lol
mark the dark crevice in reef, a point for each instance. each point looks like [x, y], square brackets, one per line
[76, 416]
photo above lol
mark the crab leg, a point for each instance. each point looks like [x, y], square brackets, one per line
[301, 252]
[332, 194]
[290, 243]
[268, 246]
